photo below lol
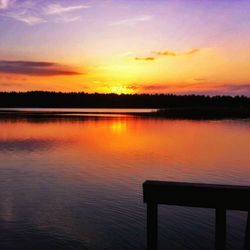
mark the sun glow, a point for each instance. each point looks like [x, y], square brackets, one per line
[119, 89]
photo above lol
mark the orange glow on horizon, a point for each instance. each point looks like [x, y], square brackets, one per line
[119, 89]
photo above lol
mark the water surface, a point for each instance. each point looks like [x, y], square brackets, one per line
[82, 110]
[75, 183]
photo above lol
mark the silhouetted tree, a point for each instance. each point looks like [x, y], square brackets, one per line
[83, 100]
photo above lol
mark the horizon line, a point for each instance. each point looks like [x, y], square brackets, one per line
[122, 94]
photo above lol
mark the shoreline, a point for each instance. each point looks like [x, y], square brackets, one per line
[187, 113]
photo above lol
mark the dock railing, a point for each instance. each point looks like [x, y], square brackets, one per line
[218, 197]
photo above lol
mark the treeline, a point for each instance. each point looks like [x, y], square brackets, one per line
[42, 99]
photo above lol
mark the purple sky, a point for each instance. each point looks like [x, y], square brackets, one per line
[194, 46]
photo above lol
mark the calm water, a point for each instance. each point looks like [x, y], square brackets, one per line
[81, 110]
[76, 183]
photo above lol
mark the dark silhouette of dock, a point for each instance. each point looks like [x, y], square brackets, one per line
[218, 197]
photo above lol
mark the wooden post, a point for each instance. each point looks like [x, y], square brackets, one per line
[152, 221]
[220, 230]
[247, 235]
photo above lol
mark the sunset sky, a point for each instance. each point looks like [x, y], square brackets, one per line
[126, 46]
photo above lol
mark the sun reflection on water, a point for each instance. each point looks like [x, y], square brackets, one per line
[119, 126]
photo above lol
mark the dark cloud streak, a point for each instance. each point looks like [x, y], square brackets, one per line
[192, 51]
[36, 68]
[166, 53]
[144, 58]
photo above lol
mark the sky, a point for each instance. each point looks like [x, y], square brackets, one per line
[126, 46]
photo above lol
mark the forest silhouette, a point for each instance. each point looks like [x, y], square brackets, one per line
[166, 105]
[43, 99]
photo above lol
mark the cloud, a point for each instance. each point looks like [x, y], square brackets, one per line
[11, 84]
[214, 89]
[166, 53]
[174, 53]
[144, 58]
[194, 88]
[237, 89]
[59, 9]
[26, 18]
[66, 19]
[34, 68]
[36, 12]
[200, 79]
[132, 21]
[25, 11]
[192, 51]
[4, 4]
[151, 88]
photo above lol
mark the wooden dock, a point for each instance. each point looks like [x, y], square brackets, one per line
[218, 197]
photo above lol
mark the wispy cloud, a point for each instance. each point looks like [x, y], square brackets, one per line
[191, 52]
[36, 68]
[25, 17]
[24, 11]
[4, 4]
[200, 79]
[153, 88]
[53, 9]
[168, 53]
[35, 12]
[175, 53]
[144, 58]
[132, 21]
[67, 19]
[165, 53]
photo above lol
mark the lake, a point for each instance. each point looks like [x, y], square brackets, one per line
[76, 182]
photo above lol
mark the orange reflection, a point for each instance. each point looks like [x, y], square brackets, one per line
[105, 149]
[119, 126]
